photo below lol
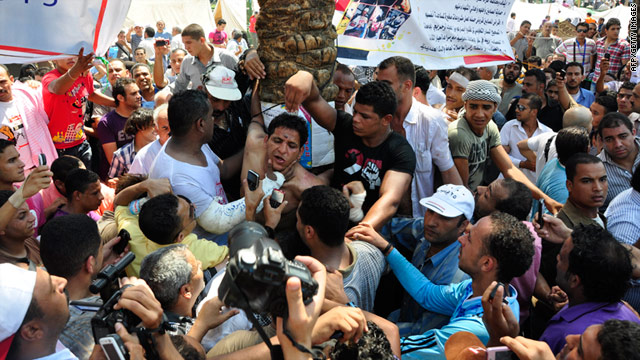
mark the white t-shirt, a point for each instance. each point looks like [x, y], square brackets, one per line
[200, 184]
[12, 128]
[143, 160]
[511, 134]
[537, 144]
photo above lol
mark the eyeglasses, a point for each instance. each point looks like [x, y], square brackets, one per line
[521, 107]
[582, 30]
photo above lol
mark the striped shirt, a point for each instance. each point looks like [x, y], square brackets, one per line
[618, 178]
[619, 51]
[122, 159]
[622, 215]
[573, 51]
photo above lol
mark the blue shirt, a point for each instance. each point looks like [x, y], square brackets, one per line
[585, 97]
[454, 300]
[553, 182]
[164, 35]
[622, 216]
[441, 269]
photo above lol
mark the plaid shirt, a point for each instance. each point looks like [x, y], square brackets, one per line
[619, 51]
[122, 160]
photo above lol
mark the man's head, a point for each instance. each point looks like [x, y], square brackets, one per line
[615, 339]
[498, 246]
[577, 116]
[287, 134]
[612, 29]
[6, 80]
[323, 215]
[481, 99]
[635, 99]
[193, 39]
[116, 70]
[167, 219]
[534, 82]
[625, 98]
[138, 29]
[83, 190]
[140, 125]
[549, 73]
[552, 91]
[570, 141]
[398, 72]
[142, 74]
[174, 275]
[511, 72]
[176, 30]
[581, 31]
[65, 64]
[221, 87]
[586, 181]
[345, 80]
[149, 33]
[176, 58]
[126, 94]
[525, 26]
[448, 213]
[457, 82]
[528, 107]
[221, 24]
[22, 223]
[601, 106]
[197, 121]
[593, 29]
[11, 167]
[140, 55]
[487, 72]
[70, 245]
[574, 75]
[61, 167]
[618, 135]
[513, 15]
[160, 26]
[546, 29]
[593, 266]
[161, 122]
[423, 81]
[374, 108]
[35, 310]
[505, 195]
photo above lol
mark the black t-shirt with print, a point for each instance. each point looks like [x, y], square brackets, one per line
[356, 161]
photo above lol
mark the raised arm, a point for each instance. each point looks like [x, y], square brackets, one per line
[158, 67]
[60, 85]
[300, 89]
[394, 185]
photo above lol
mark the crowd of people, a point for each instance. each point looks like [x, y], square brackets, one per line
[463, 209]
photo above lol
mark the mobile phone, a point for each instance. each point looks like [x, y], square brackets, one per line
[607, 56]
[540, 219]
[42, 160]
[162, 42]
[277, 196]
[124, 240]
[500, 353]
[562, 73]
[493, 292]
[114, 348]
[252, 179]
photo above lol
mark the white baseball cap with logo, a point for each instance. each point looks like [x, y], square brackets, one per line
[221, 84]
[451, 201]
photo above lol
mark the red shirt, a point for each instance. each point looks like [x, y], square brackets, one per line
[66, 112]
[252, 23]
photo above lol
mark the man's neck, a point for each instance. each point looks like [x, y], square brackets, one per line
[576, 298]
[36, 350]
[182, 307]
[334, 258]
[137, 143]
[7, 186]
[148, 94]
[481, 282]
[610, 40]
[124, 111]
[184, 147]
[530, 126]
[205, 54]
[402, 110]
[13, 247]
[74, 208]
[78, 286]
[581, 41]
[377, 139]
[543, 97]
[506, 85]
[435, 248]
[573, 91]
[589, 212]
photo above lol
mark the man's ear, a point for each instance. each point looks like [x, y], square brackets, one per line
[59, 184]
[186, 291]
[90, 264]
[309, 232]
[569, 185]
[386, 120]
[488, 263]
[32, 331]
[121, 98]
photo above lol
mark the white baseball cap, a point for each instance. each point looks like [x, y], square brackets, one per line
[451, 201]
[16, 290]
[221, 84]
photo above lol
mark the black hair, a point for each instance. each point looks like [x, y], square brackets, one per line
[627, 85]
[601, 262]
[576, 159]
[344, 69]
[221, 21]
[619, 339]
[518, 201]
[538, 74]
[557, 65]
[379, 95]
[373, 345]
[119, 88]
[534, 60]
[149, 31]
[193, 31]
[613, 120]
[573, 63]
[159, 220]
[608, 102]
[79, 180]
[140, 119]
[61, 166]
[550, 71]
[140, 48]
[4, 143]
[422, 79]
[535, 102]
[126, 180]
[526, 22]
[511, 243]
[611, 22]
[290, 121]
[584, 24]
[469, 73]
[139, 65]
[188, 351]
[181, 121]
[27, 72]
[570, 141]
[404, 67]
[327, 211]
[66, 242]
[551, 82]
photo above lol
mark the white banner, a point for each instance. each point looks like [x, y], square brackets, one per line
[39, 30]
[436, 34]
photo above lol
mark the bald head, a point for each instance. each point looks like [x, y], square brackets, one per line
[577, 116]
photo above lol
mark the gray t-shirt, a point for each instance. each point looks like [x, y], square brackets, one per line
[361, 278]
[507, 95]
[464, 143]
[545, 46]
[520, 46]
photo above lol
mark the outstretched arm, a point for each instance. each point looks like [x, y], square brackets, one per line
[300, 89]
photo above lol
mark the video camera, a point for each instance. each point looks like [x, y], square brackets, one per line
[257, 273]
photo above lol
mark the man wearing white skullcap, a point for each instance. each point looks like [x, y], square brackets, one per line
[473, 138]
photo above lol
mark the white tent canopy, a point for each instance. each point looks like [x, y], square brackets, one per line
[173, 12]
[234, 12]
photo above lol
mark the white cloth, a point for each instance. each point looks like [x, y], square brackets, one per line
[511, 25]
[143, 160]
[148, 46]
[435, 96]
[200, 184]
[65, 354]
[426, 132]
[537, 144]
[12, 127]
[512, 132]
[176, 42]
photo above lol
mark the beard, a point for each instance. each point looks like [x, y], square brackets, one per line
[509, 78]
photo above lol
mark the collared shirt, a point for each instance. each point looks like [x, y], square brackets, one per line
[512, 132]
[77, 335]
[576, 319]
[122, 159]
[618, 178]
[584, 97]
[574, 52]
[181, 324]
[572, 217]
[191, 71]
[426, 131]
[619, 51]
[441, 269]
[622, 216]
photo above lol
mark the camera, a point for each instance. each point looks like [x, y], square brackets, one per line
[257, 273]
[162, 42]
